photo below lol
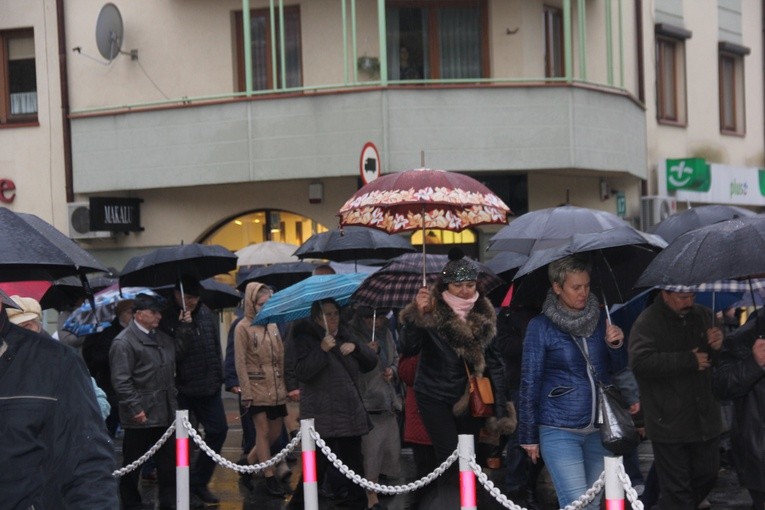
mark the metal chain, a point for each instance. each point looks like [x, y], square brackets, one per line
[629, 491]
[133, 465]
[222, 461]
[376, 487]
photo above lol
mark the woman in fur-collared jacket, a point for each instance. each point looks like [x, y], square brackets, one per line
[451, 326]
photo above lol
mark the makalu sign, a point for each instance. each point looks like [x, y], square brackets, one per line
[695, 180]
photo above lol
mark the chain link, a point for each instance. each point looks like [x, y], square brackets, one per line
[133, 465]
[222, 461]
[376, 487]
[629, 491]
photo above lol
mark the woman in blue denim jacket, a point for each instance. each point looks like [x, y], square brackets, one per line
[557, 415]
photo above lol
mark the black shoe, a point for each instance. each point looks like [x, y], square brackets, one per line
[206, 497]
[273, 487]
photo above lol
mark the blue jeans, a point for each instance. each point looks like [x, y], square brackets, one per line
[211, 415]
[574, 460]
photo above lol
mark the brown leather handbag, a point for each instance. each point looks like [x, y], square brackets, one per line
[481, 398]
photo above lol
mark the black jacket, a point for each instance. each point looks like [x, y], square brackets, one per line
[199, 360]
[55, 452]
[740, 378]
[329, 381]
[445, 344]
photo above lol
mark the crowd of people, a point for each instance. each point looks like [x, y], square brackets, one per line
[374, 379]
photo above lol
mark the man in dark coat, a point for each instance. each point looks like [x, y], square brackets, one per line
[740, 376]
[142, 362]
[54, 449]
[199, 376]
[672, 346]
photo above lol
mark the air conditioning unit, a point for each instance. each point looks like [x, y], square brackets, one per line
[79, 222]
[653, 209]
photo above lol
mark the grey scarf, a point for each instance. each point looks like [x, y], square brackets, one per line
[581, 323]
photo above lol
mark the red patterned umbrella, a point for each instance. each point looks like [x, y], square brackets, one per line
[423, 198]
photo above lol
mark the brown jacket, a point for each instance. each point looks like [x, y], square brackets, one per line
[259, 356]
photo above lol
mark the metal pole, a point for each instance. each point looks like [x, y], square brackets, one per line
[282, 49]
[614, 489]
[621, 47]
[582, 24]
[274, 67]
[383, 36]
[466, 451]
[345, 41]
[181, 461]
[310, 482]
[354, 43]
[568, 54]
[609, 44]
[247, 31]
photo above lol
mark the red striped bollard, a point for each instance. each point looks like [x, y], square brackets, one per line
[181, 461]
[614, 488]
[465, 450]
[310, 482]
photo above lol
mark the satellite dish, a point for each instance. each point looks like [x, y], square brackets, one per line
[109, 32]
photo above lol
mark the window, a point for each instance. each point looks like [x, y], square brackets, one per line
[554, 65]
[731, 72]
[444, 40]
[262, 50]
[18, 83]
[670, 74]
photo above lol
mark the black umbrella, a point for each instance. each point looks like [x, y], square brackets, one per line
[697, 217]
[64, 293]
[216, 295]
[280, 275]
[618, 257]
[164, 266]
[33, 249]
[547, 228]
[727, 250]
[506, 263]
[353, 243]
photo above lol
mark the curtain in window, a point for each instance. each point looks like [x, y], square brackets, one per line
[460, 43]
[24, 103]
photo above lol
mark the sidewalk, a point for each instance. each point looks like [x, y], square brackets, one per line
[234, 494]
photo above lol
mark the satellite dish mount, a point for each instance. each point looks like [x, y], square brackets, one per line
[109, 34]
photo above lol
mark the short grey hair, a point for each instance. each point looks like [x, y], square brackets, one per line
[559, 269]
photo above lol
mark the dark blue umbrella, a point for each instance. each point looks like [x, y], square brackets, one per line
[164, 266]
[696, 217]
[279, 275]
[214, 294]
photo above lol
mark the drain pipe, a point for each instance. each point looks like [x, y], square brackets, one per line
[64, 86]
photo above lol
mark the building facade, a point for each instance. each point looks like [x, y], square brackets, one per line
[238, 121]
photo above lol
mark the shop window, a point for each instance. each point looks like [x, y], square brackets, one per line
[437, 40]
[18, 78]
[554, 49]
[264, 225]
[262, 50]
[731, 75]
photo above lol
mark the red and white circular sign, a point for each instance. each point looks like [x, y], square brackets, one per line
[369, 165]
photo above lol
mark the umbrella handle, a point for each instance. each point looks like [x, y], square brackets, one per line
[326, 328]
[424, 278]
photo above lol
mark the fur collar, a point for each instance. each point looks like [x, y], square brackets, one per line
[468, 338]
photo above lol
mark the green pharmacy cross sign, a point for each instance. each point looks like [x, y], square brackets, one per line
[692, 174]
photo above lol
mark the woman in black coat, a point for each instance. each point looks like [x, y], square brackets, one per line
[327, 364]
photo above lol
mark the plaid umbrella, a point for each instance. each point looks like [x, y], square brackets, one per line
[396, 284]
[295, 301]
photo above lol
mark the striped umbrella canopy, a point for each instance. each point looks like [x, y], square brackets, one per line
[295, 301]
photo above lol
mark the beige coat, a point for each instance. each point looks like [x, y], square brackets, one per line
[259, 357]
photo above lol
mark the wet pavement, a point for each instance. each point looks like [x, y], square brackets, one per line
[235, 494]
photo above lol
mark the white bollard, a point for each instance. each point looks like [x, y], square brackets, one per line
[181, 461]
[614, 488]
[310, 482]
[466, 450]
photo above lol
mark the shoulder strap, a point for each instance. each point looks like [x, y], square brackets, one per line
[587, 360]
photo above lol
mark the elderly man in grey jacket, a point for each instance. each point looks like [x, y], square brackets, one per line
[142, 361]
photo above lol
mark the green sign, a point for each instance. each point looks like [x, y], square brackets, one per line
[691, 174]
[621, 204]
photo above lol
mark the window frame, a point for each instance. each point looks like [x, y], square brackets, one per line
[241, 79]
[434, 50]
[551, 14]
[6, 118]
[676, 48]
[732, 85]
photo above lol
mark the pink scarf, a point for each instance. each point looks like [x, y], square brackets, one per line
[460, 307]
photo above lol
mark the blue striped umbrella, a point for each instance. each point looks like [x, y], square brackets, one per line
[295, 301]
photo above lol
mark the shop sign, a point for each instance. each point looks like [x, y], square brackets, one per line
[115, 214]
[7, 191]
[695, 180]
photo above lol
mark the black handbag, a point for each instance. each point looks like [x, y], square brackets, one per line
[617, 430]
